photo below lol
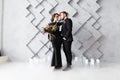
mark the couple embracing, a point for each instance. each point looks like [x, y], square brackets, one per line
[61, 34]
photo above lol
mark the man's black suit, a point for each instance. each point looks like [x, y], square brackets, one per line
[67, 34]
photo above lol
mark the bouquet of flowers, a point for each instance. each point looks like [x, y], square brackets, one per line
[50, 28]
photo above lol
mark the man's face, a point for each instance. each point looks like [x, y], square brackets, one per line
[62, 16]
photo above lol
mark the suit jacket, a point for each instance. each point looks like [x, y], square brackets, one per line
[67, 29]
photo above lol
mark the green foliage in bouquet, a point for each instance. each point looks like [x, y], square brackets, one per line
[54, 28]
[51, 29]
[51, 36]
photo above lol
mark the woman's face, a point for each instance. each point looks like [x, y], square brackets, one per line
[56, 17]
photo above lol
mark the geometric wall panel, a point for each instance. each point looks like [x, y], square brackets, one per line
[85, 25]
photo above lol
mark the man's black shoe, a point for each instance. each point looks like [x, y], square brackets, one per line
[67, 68]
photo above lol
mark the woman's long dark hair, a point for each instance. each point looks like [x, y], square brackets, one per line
[53, 16]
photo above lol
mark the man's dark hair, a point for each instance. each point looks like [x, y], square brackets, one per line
[64, 12]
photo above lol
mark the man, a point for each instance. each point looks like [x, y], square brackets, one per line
[67, 38]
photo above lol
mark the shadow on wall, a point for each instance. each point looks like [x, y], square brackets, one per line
[99, 2]
[0, 53]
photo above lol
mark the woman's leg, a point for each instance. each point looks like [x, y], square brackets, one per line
[53, 59]
[56, 59]
[53, 55]
[58, 53]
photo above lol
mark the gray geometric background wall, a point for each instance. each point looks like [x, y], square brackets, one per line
[85, 28]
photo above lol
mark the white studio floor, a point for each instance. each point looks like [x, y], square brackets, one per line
[28, 71]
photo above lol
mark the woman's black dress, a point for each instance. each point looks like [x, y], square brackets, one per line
[56, 44]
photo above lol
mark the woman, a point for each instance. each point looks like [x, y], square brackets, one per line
[56, 40]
